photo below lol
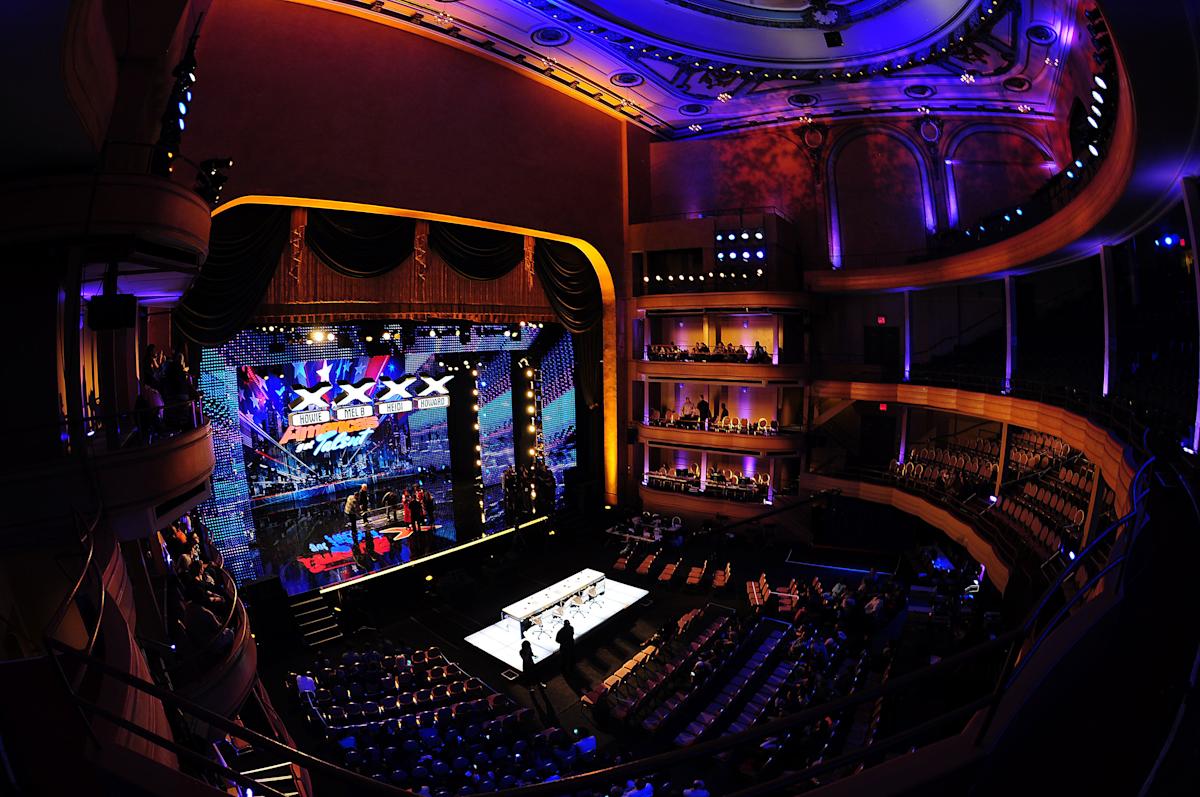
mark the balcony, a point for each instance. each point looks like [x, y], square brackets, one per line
[761, 374]
[723, 252]
[760, 445]
[746, 299]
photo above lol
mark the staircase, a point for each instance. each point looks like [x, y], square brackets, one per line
[315, 619]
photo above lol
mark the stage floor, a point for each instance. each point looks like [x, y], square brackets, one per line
[502, 640]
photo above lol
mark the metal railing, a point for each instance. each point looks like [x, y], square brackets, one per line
[134, 428]
[1122, 417]
[1015, 647]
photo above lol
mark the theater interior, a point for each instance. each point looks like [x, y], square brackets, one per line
[600, 398]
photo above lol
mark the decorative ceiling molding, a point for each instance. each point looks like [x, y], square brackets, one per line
[989, 57]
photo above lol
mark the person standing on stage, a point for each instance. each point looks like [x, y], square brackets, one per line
[427, 505]
[406, 507]
[509, 482]
[353, 512]
[390, 499]
[414, 510]
[566, 645]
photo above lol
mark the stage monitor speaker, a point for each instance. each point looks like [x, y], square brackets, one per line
[833, 38]
[116, 311]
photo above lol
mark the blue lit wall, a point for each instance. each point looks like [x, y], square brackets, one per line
[228, 513]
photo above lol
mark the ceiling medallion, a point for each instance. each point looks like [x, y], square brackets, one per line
[627, 79]
[1017, 83]
[803, 100]
[1041, 34]
[550, 36]
[693, 109]
[919, 91]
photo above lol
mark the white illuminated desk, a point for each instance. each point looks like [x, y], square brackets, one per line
[553, 595]
[503, 639]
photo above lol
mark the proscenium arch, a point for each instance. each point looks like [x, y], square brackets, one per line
[835, 237]
[608, 295]
[961, 135]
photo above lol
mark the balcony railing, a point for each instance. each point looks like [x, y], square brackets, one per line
[1005, 655]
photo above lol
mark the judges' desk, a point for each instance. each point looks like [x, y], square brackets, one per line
[551, 596]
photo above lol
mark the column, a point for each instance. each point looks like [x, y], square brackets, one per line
[1010, 332]
[1191, 203]
[903, 430]
[1107, 257]
[907, 336]
[775, 341]
[1002, 459]
[1090, 520]
[703, 470]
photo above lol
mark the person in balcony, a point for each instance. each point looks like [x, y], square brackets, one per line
[654, 416]
[740, 354]
[688, 411]
[704, 412]
[760, 354]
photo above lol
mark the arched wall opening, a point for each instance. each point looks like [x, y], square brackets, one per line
[603, 273]
[881, 204]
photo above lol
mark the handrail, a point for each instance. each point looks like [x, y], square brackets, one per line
[574, 782]
[1119, 415]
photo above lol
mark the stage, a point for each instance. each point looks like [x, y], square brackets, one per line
[502, 639]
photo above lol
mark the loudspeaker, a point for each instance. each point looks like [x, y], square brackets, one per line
[631, 435]
[833, 38]
[115, 311]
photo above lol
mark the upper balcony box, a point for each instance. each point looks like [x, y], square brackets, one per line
[715, 253]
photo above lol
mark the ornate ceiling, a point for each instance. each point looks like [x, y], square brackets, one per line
[686, 68]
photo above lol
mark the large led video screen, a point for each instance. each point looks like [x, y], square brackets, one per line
[347, 450]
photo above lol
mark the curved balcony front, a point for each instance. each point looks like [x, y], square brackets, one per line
[726, 301]
[757, 445]
[145, 488]
[761, 374]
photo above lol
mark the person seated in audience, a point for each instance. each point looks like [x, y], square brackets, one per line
[697, 789]
[654, 416]
[719, 351]
[759, 355]
[741, 354]
[640, 788]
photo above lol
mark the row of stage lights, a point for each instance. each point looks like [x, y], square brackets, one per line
[512, 331]
[758, 272]
[210, 174]
[1086, 157]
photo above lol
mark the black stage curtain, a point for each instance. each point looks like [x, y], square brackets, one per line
[359, 244]
[474, 252]
[573, 289]
[570, 284]
[244, 250]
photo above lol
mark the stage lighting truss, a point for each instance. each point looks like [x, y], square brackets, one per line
[533, 413]
[479, 489]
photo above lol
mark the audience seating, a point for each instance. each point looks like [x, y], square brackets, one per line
[696, 575]
[644, 568]
[758, 592]
[449, 734]
[668, 572]
[721, 577]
